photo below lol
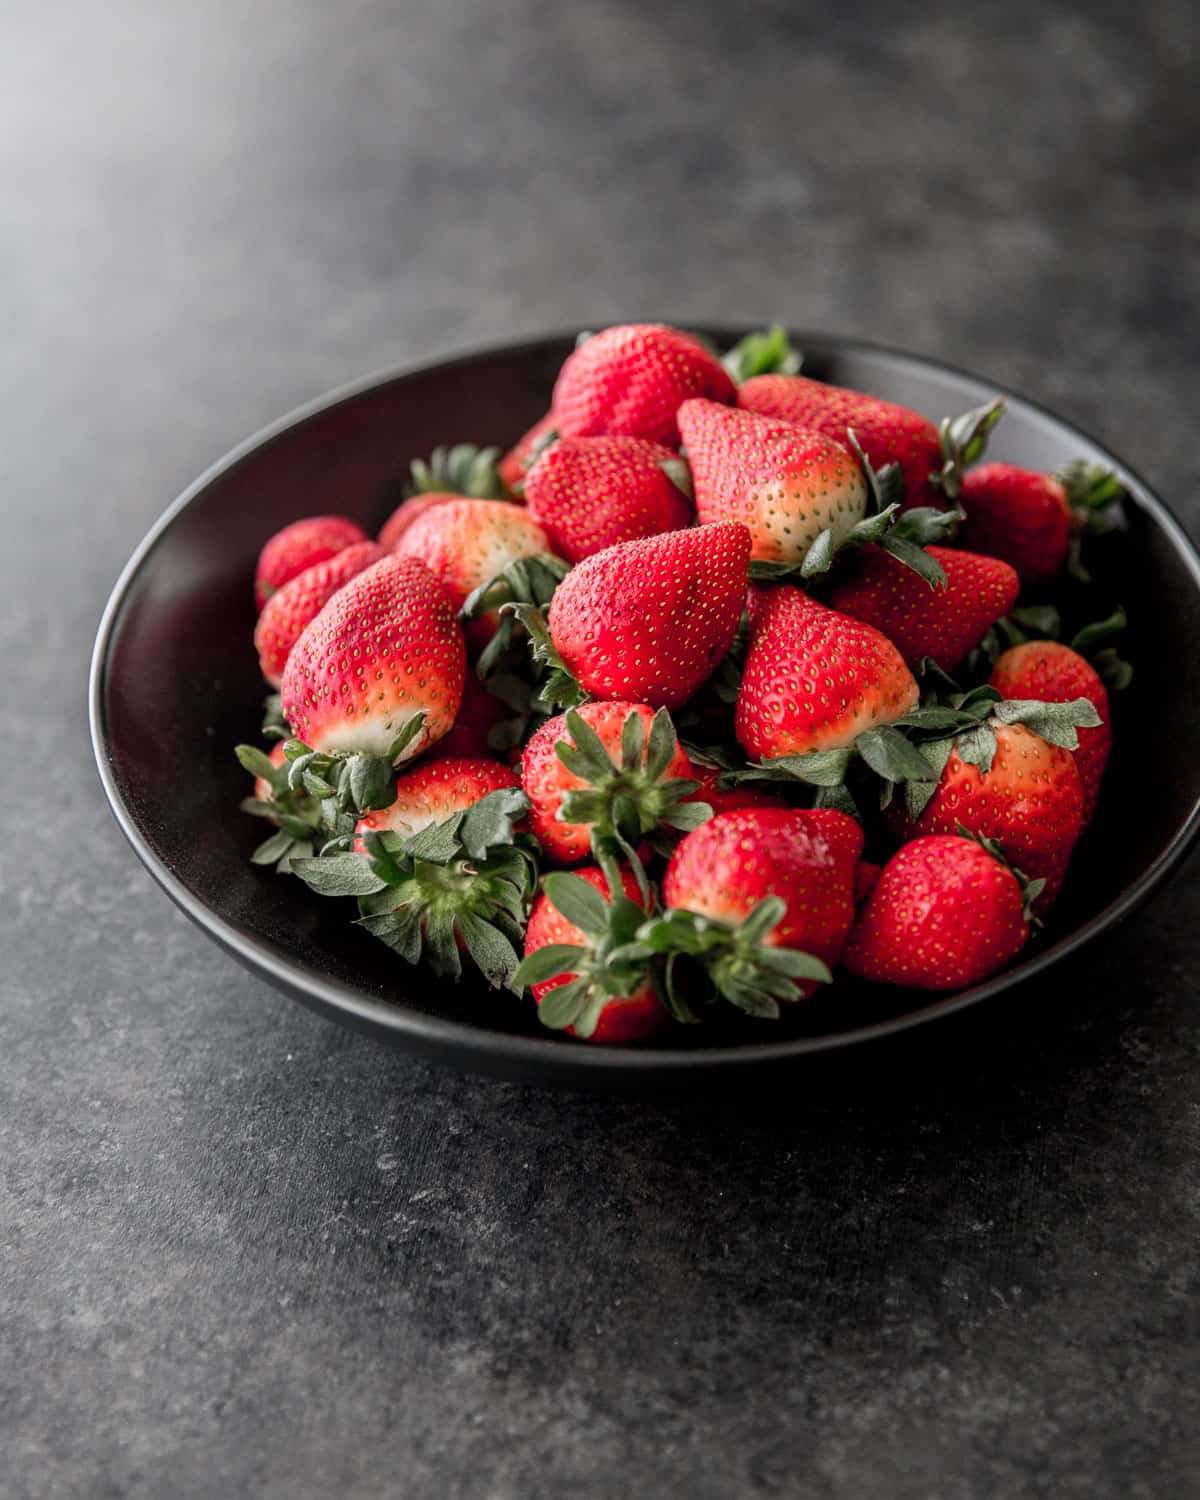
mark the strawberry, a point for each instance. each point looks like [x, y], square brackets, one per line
[943, 624]
[574, 929]
[629, 381]
[763, 899]
[442, 872]
[733, 799]
[815, 679]
[466, 543]
[433, 792]
[1020, 790]
[480, 714]
[864, 880]
[299, 547]
[524, 451]
[649, 621]
[290, 608]
[379, 672]
[590, 493]
[407, 513]
[1053, 673]
[786, 484]
[944, 913]
[888, 433]
[605, 771]
[1035, 521]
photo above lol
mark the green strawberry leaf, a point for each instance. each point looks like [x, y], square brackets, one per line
[963, 440]
[768, 352]
[548, 962]
[890, 755]
[463, 469]
[1100, 632]
[339, 875]
[579, 903]
[915, 557]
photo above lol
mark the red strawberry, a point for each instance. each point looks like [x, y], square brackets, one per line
[1053, 673]
[289, 609]
[942, 623]
[385, 648]
[732, 800]
[649, 621]
[864, 880]
[1030, 802]
[629, 381]
[944, 913]
[521, 455]
[1018, 515]
[479, 713]
[607, 1004]
[433, 792]
[467, 542]
[592, 740]
[407, 513]
[590, 493]
[801, 863]
[785, 483]
[887, 432]
[299, 547]
[815, 679]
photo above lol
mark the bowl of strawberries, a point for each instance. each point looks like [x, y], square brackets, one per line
[656, 701]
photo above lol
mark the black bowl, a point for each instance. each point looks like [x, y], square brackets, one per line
[175, 686]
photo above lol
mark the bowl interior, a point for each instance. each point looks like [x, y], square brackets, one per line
[176, 687]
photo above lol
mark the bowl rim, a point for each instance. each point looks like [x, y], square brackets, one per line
[474, 1046]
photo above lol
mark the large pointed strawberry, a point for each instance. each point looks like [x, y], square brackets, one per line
[888, 433]
[763, 898]
[1005, 781]
[1053, 673]
[943, 624]
[629, 381]
[1034, 521]
[290, 608]
[433, 792]
[379, 672]
[815, 679]
[787, 485]
[590, 493]
[605, 771]
[301, 546]
[466, 543]
[649, 621]
[944, 912]
[573, 965]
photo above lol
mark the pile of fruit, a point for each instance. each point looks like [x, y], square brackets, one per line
[720, 679]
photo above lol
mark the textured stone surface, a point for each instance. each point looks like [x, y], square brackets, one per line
[242, 1251]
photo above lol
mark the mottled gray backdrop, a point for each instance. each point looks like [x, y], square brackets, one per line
[244, 1252]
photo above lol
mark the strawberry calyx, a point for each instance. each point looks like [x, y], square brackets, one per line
[767, 351]
[274, 725]
[627, 800]
[348, 782]
[299, 830]
[606, 968]
[467, 880]
[904, 534]
[963, 440]
[1030, 889]
[738, 965]
[460, 469]
[555, 686]
[526, 581]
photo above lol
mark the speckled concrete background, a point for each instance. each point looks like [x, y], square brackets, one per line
[244, 1252]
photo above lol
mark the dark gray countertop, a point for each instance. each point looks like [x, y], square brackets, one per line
[246, 1252]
